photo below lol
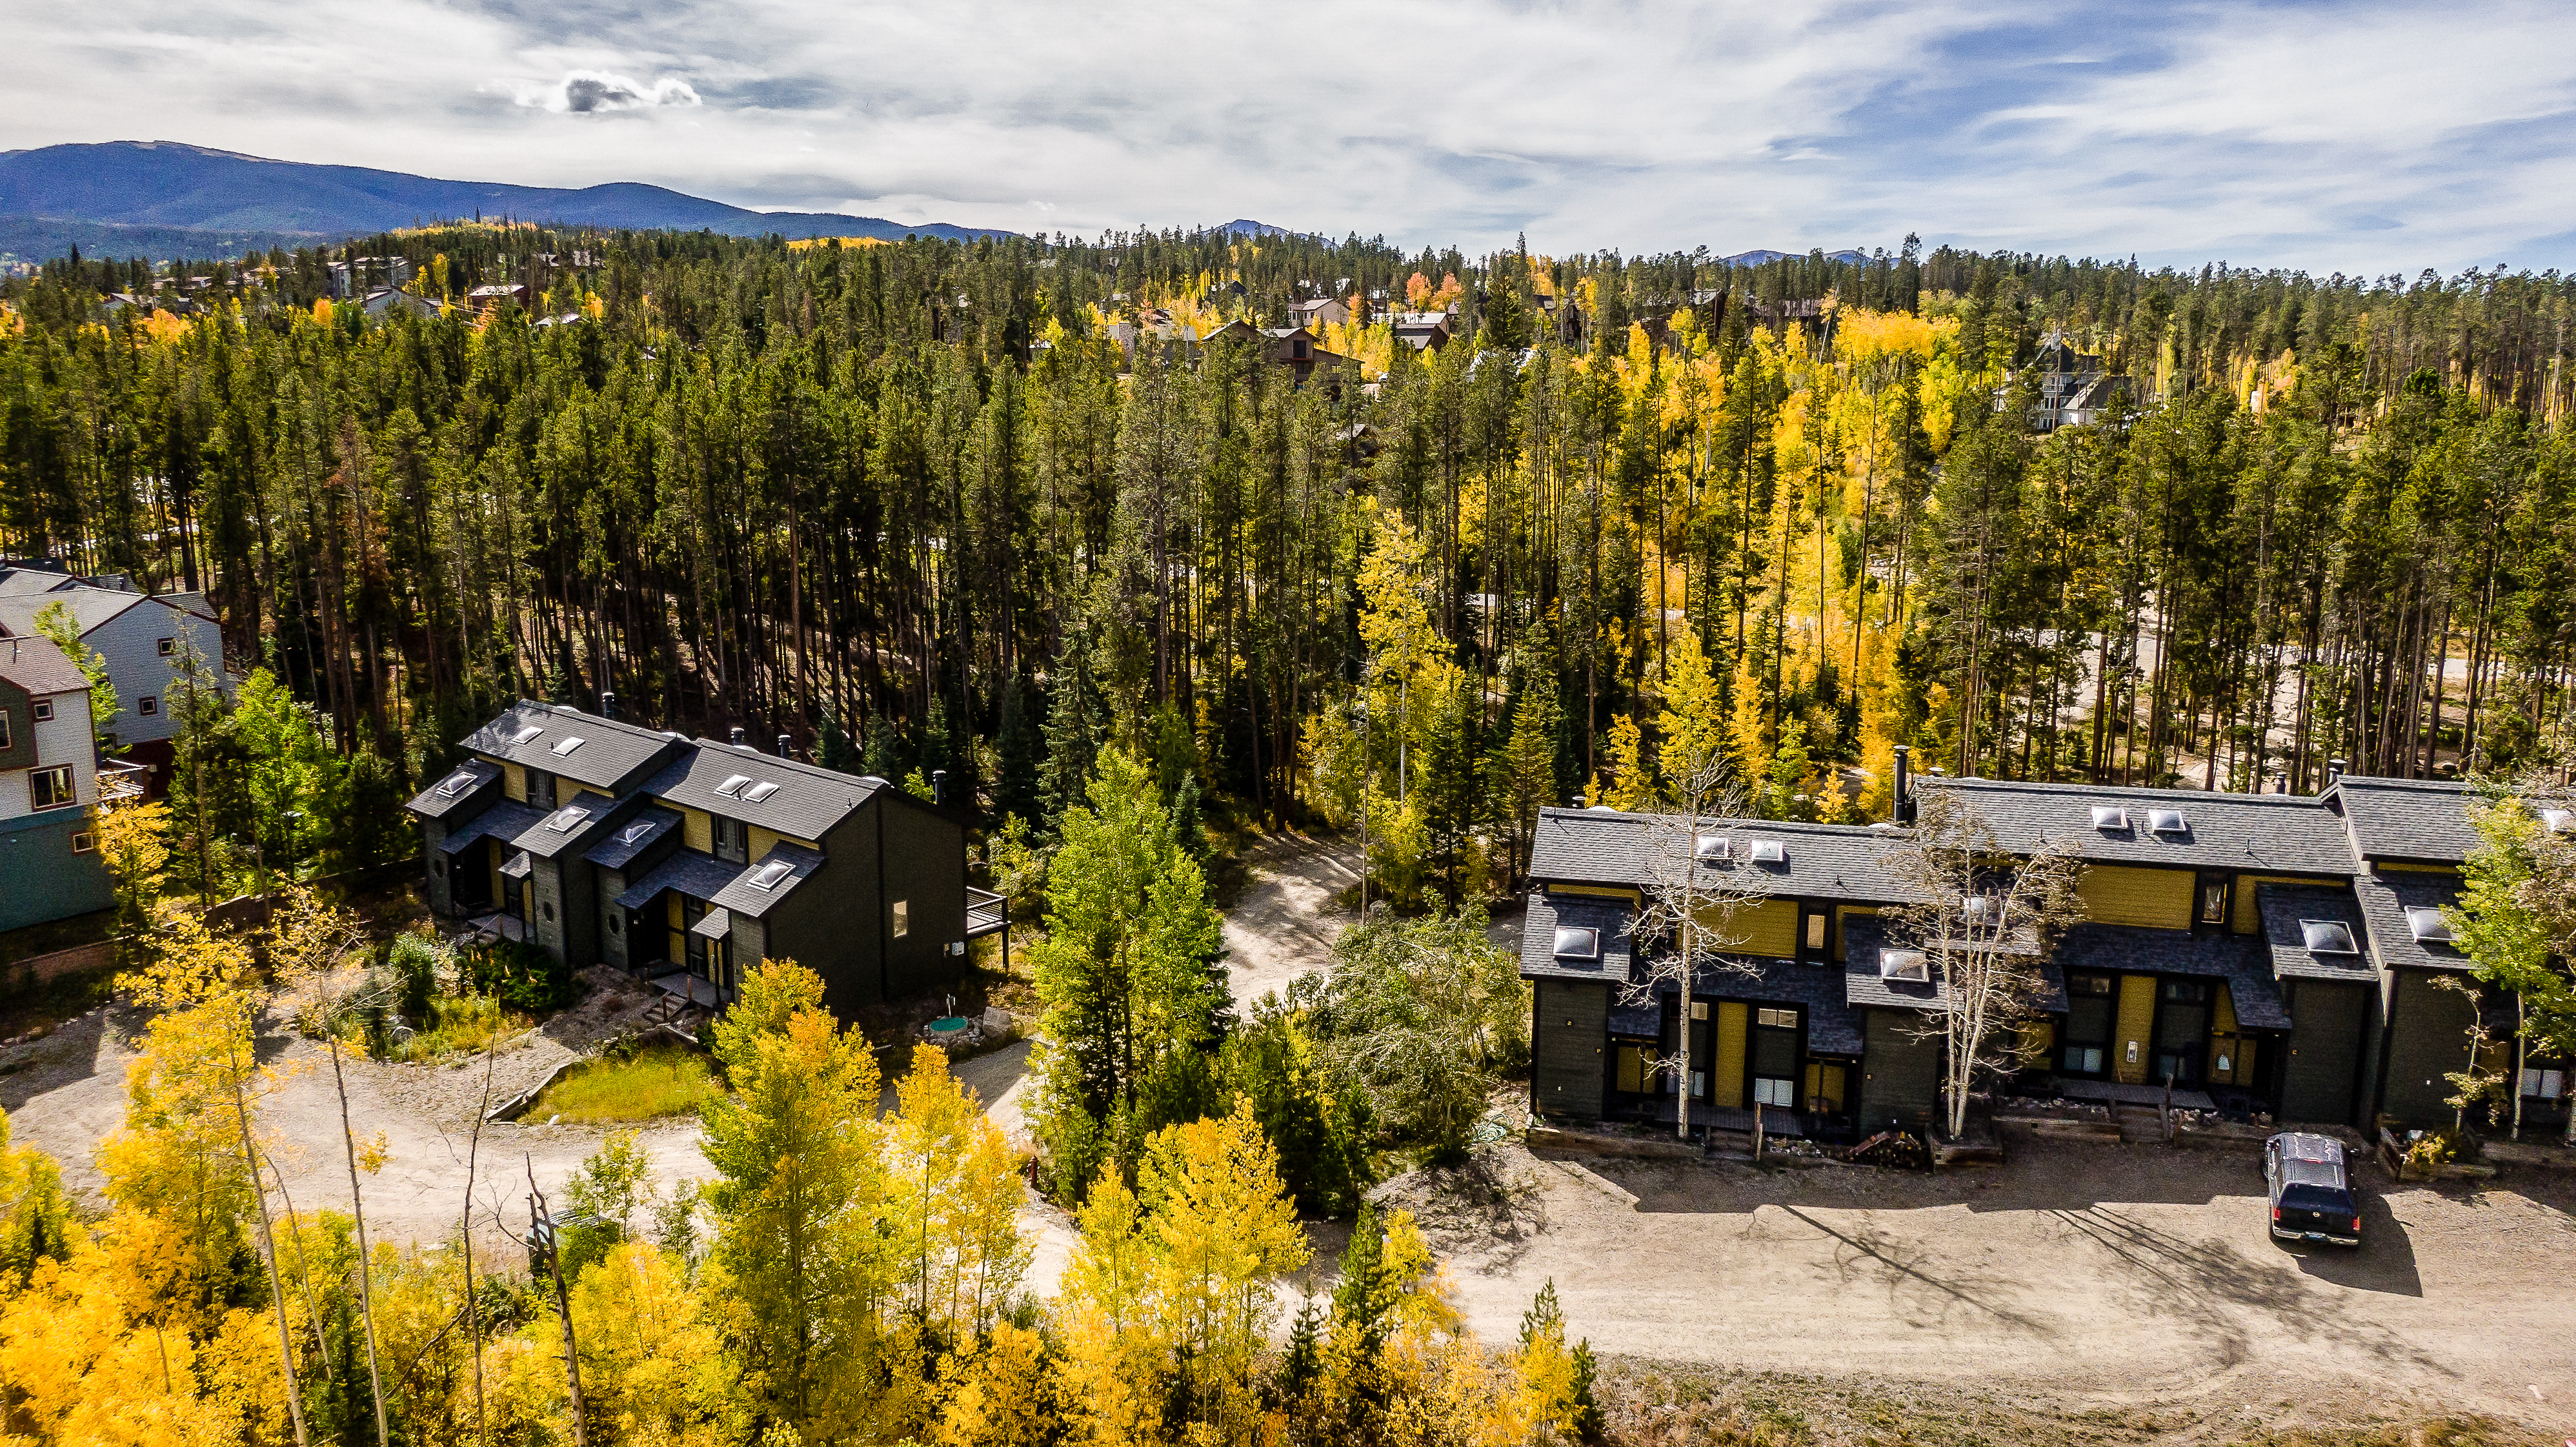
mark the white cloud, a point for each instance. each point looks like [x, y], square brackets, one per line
[2260, 135]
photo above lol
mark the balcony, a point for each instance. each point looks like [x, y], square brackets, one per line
[985, 913]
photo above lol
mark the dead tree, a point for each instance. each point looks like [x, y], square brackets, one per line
[1985, 923]
[1700, 881]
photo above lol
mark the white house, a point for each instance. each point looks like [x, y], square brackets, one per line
[143, 637]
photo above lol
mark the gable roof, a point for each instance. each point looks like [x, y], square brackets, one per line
[2239, 960]
[37, 666]
[1818, 861]
[2285, 907]
[807, 803]
[2384, 900]
[469, 779]
[609, 752]
[745, 897]
[88, 606]
[2416, 821]
[1538, 938]
[2269, 833]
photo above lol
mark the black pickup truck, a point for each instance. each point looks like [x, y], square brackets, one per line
[2310, 1189]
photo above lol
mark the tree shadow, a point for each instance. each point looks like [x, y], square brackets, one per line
[1903, 1267]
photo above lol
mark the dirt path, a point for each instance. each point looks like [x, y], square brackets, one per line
[1285, 922]
[2126, 1275]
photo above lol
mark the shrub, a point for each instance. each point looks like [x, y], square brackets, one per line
[415, 961]
[630, 1085]
[523, 976]
[460, 1025]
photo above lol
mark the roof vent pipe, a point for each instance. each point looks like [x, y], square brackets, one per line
[785, 745]
[1904, 801]
[939, 786]
[1582, 801]
[608, 705]
[2334, 771]
[734, 738]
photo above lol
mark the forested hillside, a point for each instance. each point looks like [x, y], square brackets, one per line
[912, 505]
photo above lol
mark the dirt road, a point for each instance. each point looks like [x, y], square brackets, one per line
[1285, 922]
[2121, 1274]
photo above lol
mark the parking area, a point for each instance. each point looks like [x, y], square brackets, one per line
[2121, 1275]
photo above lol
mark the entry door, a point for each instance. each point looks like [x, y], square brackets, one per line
[2182, 1033]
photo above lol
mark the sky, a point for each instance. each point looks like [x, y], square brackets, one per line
[2332, 137]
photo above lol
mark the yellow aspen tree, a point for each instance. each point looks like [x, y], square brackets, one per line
[1223, 1234]
[1115, 1356]
[1005, 1394]
[1631, 786]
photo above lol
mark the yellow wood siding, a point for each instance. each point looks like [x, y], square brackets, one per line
[1726, 1072]
[2245, 916]
[2157, 898]
[2414, 869]
[1596, 891]
[762, 839]
[1769, 928]
[514, 782]
[2129, 1043]
[2223, 1041]
[699, 829]
[1825, 1081]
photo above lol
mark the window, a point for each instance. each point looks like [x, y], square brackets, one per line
[568, 818]
[2326, 937]
[148, 706]
[564, 746]
[2083, 1060]
[541, 790]
[4, 728]
[1815, 934]
[1573, 942]
[528, 734]
[1699, 1009]
[766, 877]
[1905, 965]
[1782, 1094]
[2088, 984]
[902, 918]
[457, 783]
[169, 647]
[2187, 992]
[438, 867]
[615, 926]
[2088, 1023]
[732, 841]
[1779, 1019]
[732, 785]
[83, 841]
[2544, 1084]
[50, 788]
[548, 910]
[2213, 901]
[41, 710]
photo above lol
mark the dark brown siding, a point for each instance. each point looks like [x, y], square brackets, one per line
[1571, 1025]
[2427, 1036]
[2326, 1023]
[1899, 1073]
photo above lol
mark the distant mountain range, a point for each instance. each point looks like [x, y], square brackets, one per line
[1766, 257]
[161, 198]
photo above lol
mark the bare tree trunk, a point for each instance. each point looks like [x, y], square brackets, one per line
[268, 1248]
[563, 1306]
[366, 1272]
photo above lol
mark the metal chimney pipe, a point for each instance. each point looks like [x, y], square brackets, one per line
[1902, 802]
[734, 738]
[939, 786]
[786, 747]
[2334, 771]
[608, 705]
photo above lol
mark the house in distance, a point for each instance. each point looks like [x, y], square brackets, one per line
[688, 861]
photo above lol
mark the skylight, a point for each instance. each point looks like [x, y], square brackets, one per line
[2110, 816]
[766, 877]
[2558, 821]
[527, 734]
[1767, 851]
[457, 783]
[568, 818]
[732, 786]
[633, 832]
[2327, 937]
[2167, 821]
[565, 745]
[1905, 965]
[2428, 925]
[1715, 848]
[760, 791]
[1978, 906]
[1574, 942]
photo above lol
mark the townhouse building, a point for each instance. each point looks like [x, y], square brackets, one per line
[687, 861]
[143, 637]
[2265, 952]
[50, 866]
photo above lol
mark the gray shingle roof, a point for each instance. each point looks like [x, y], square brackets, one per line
[609, 753]
[808, 801]
[1818, 861]
[588, 819]
[2268, 833]
[503, 819]
[699, 876]
[2240, 960]
[748, 900]
[40, 668]
[468, 779]
[2415, 821]
[2385, 898]
[633, 836]
[1538, 938]
[1821, 990]
[1864, 936]
[88, 606]
[2284, 906]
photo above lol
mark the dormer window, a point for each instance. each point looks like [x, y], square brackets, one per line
[2110, 818]
[2327, 937]
[732, 786]
[564, 746]
[2428, 926]
[1574, 942]
[1767, 851]
[1911, 965]
[760, 791]
[1715, 849]
[2167, 821]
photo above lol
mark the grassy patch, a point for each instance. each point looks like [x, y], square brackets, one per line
[461, 1025]
[645, 1084]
